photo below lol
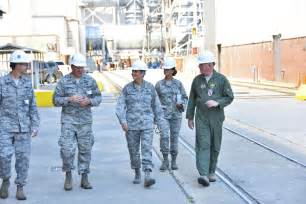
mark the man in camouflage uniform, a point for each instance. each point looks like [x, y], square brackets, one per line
[173, 98]
[137, 108]
[19, 121]
[76, 93]
[210, 93]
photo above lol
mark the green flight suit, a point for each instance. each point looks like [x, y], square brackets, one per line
[208, 121]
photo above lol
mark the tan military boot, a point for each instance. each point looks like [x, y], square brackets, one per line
[68, 181]
[148, 180]
[137, 178]
[20, 194]
[173, 162]
[165, 163]
[4, 188]
[84, 182]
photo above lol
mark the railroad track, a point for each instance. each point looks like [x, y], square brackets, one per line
[241, 192]
[266, 147]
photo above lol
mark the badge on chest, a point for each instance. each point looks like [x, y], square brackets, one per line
[203, 86]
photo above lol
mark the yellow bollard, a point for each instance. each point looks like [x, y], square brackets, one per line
[301, 92]
[44, 98]
[97, 76]
[100, 85]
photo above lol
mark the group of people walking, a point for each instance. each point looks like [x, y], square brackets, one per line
[141, 105]
[76, 93]
[139, 108]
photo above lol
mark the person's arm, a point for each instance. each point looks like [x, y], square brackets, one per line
[184, 96]
[59, 98]
[159, 116]
[157, 88]
[96, 95]
[156, 106]
[0, 91]
[34, 116]
[227, 95]
[121, 109]
[191, 102]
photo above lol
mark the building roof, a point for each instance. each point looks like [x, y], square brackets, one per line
[8, 48]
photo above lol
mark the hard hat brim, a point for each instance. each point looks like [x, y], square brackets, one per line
[139, 69]
[167, 67]
[80, 65]
[204, 62]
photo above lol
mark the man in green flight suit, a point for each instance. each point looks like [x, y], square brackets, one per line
[210, 92]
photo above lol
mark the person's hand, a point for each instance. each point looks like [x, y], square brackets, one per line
[191, 124]
[124, 127]
[212, 103]
[34, 133]
[84, 102]
[179, 106]
[75, 99]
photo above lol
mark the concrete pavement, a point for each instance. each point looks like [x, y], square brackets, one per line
[110, 176]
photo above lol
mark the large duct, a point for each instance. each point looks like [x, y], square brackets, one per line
[100, 3]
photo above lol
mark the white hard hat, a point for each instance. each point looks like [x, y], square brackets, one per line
[139, 65]
[169, 63]
[78, 60]
[19, 56]
[206, 57]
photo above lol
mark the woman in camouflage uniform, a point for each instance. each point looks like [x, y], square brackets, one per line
[173, 98]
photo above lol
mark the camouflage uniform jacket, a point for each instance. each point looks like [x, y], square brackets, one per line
[168, 92]
[139, 107]
[18, 111]
[68, 86]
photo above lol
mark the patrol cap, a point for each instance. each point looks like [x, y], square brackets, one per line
[139, 65]
[206, 57]
[169, 63]
[19, 56]
[78, 60]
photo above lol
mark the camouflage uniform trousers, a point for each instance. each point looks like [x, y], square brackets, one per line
[73, 136]
[174, 126]
[20, 143]
[134, 139]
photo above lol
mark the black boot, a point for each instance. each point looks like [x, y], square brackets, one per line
[165, 163]
[173, 162]
[148, 180]
[20, 194]
[84, 182]
[203, 180]
[4, 188]
[68, 181]
[137, 178]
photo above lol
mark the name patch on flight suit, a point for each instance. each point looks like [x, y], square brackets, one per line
[210, 90]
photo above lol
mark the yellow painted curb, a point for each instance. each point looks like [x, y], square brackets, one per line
[44, 98]
[301, 92]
